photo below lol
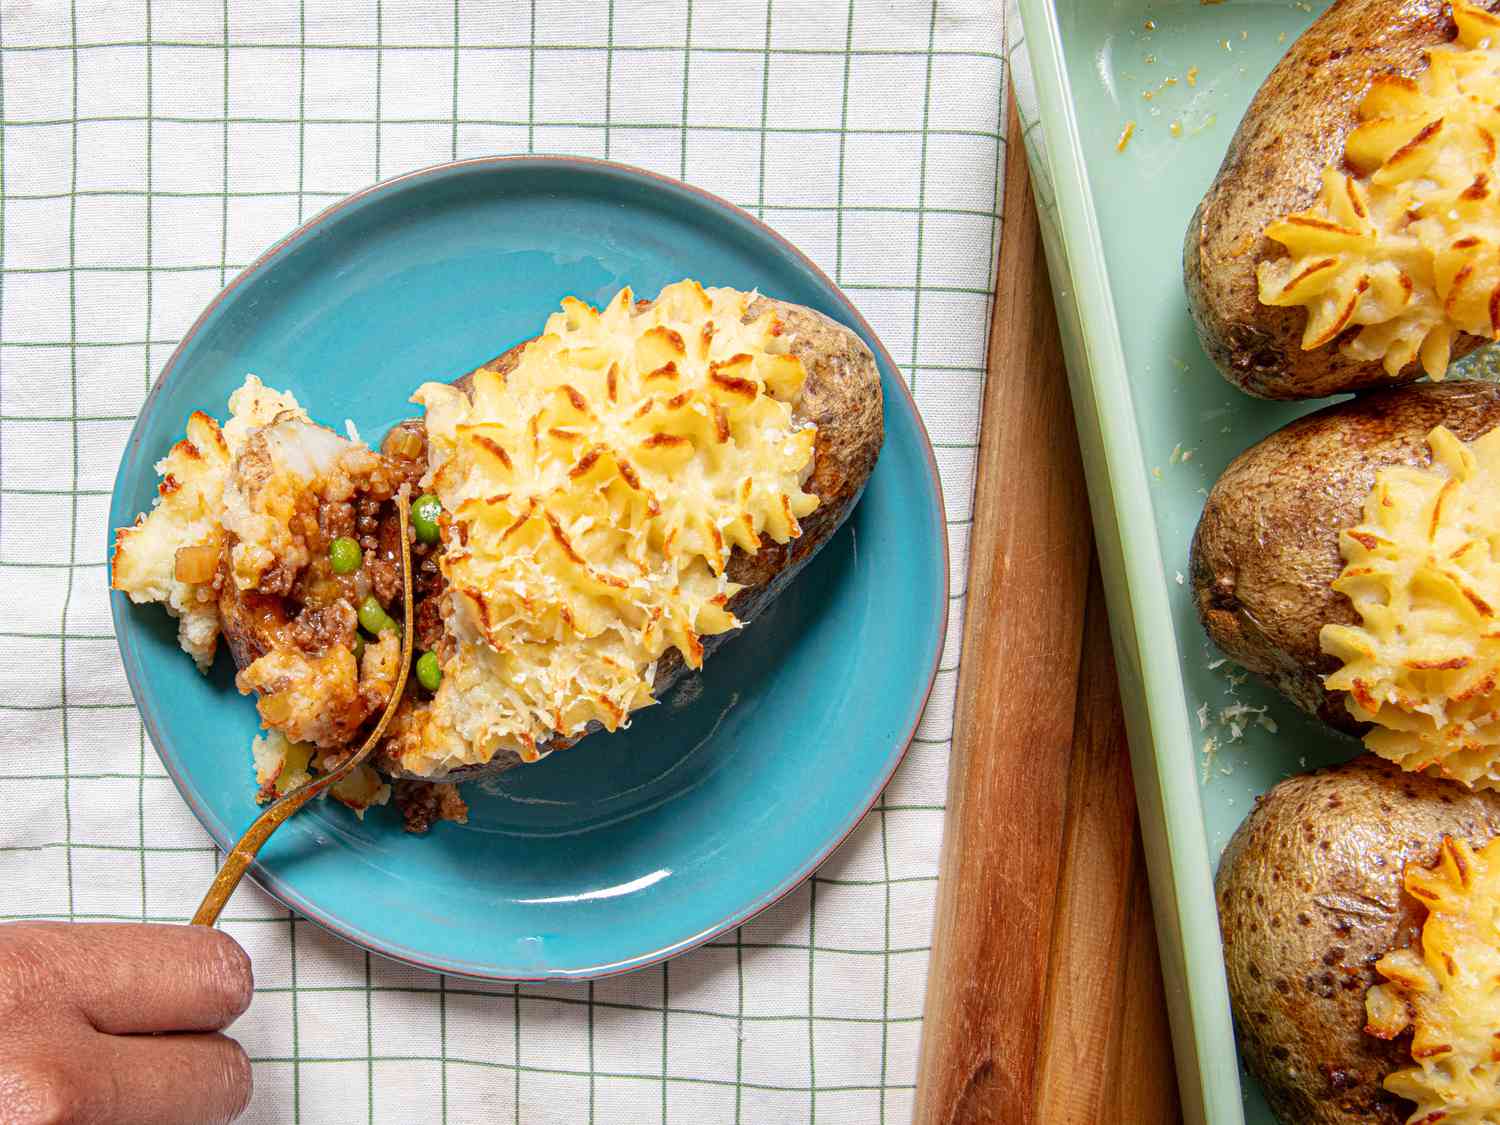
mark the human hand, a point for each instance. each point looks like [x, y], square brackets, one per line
[120, 1024]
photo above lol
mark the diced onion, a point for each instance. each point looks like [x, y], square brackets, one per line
[196, 564]
[403, 443]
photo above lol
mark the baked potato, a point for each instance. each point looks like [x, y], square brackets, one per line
[655, 508]
[1267, 548]
[1310, 895]
[841, 397]
[1298, 126]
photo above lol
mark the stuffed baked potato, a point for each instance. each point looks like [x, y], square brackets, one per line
[1310, 897]
[841, 400]
[1352, 560]
[616, 496]
[1318, 260]
[1266, 552]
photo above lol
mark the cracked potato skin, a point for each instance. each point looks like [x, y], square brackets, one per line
[1310, 896]
[1295, 126]
[1266, 550]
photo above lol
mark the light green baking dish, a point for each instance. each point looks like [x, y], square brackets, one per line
[1157, 425]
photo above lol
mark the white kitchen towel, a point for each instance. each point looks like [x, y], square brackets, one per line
[151, 148]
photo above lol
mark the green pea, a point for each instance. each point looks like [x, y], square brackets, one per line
[345, 555]
[429, 672]
[359, 645]
[372, 616]
[425, 511]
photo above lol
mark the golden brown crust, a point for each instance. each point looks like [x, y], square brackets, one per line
[1309, 896]
[841, 397]
[1295, 126]
[1266, 551]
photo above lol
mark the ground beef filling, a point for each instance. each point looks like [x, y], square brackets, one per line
[316, 630]
[305, 622]
[424, 803]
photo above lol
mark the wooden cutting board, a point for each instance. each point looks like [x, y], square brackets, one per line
[1044, 999]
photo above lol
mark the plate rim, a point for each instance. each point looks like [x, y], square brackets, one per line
[276, 886]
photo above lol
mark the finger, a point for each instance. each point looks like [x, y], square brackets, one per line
[184, 1079]
[140, 978]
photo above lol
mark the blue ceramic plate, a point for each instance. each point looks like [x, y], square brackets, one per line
[717, 802]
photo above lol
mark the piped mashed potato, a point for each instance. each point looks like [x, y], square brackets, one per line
[1407, 248]
[171, 553]
[1448, 991]
[1423, 572]
[593, 496]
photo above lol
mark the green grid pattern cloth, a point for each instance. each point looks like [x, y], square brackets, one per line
[149, 149]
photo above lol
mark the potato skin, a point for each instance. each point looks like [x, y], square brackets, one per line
[1266, 550]
[1309, 894]
[1295, 126]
